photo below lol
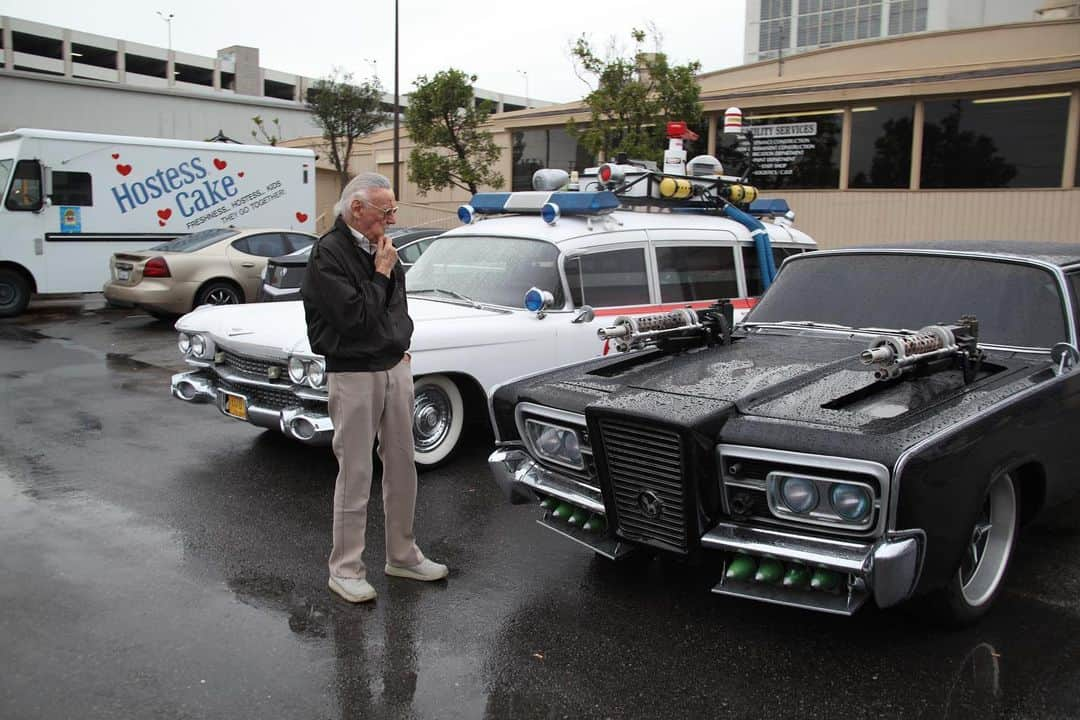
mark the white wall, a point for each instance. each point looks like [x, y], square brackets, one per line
[56, 104]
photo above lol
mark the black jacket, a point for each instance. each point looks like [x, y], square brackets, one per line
[357, 318]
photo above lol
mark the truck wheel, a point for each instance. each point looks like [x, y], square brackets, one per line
[14, 293]
[219, 292]
[978, 581]
[438, 419]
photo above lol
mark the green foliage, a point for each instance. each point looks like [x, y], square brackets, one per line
[444, 121]
[270, 137]
[345, 112]
[634, 99]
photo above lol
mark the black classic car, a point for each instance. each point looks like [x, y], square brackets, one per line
[879, 427]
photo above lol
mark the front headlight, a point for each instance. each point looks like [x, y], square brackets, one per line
[184, 343]
[555, 443]
[316, 373]
[851, 502]
[799, 494]
[200, 346]
[297, 370]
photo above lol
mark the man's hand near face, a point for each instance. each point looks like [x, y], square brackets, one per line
[385, 256]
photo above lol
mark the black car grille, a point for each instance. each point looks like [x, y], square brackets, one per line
[644, 466]
[263, 397]
[252, 366]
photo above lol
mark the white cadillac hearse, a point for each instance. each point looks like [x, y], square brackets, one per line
[632, 242]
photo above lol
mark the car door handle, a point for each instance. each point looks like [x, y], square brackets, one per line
[249, 265]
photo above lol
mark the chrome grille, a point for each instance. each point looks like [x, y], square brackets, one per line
[642, 459]
[252, 366]
[262, 396]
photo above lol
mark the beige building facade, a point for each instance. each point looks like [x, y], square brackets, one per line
[959, 135]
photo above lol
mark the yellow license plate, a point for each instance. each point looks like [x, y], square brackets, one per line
[235, 406]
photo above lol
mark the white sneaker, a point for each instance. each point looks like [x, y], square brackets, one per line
[425, 570]
[355, 590]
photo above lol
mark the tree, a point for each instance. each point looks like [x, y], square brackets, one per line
[345, 112]
[270, 137]
[633, 98]
[444, 121]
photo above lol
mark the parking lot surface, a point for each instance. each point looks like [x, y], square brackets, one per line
[160, 560]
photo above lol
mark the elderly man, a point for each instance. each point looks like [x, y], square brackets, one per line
[357, 317]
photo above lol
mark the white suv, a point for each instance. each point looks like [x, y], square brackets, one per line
[466, 298]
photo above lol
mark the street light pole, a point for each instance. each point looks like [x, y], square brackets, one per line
[526, 76]
[168, 21]
[397, 111]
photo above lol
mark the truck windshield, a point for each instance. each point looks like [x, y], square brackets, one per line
[1016, 305]
[5, 173]
[493, 270]
[196, 240]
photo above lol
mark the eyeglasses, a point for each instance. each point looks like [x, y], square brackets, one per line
[387, 212]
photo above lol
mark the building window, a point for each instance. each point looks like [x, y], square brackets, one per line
[688, 274]
[1001, 142]
[545, 148]
[142, 65]
[790, 150]
[606, 279]
[881, 145]
[72, 188]
[195, 75]
[907, 16]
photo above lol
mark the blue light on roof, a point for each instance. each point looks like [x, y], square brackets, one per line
[549, 213]
[533, 202]
[773, 206]
[466, 214]
[585, 203]
[489, 203]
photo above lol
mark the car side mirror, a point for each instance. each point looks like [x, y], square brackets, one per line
[1065, 357]
[585, 314]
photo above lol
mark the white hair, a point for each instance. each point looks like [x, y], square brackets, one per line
[359, 187]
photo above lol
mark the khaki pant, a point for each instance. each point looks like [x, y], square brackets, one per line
[363, 404]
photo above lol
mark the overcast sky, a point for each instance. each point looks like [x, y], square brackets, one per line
[493, 40]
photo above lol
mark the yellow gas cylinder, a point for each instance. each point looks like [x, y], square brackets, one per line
[675, 188]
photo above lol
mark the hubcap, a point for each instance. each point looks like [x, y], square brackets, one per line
[432, 417]
[991, 540]
[7, 294]
[221, 296]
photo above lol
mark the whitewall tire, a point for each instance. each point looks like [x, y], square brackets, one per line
[438, 419]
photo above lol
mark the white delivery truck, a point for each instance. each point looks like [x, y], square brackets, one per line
[70, 200]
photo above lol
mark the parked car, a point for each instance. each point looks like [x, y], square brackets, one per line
[284, 275]
[879, 427]
[465, 296]
[221, 266]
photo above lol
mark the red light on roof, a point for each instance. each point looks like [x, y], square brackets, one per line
[678, 129]
[605, 173]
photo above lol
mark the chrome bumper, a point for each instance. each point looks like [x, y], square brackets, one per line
[307, 426]
[887, 570]
[521, 478]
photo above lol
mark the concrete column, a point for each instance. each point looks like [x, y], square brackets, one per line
[170, 68]
[1072, 141]
[710, 139]
[217, 73]
[296, 93]
[499, 106]
[845, 150]
[121, 61]
[65, 52]
[916, 145]
[9, 42]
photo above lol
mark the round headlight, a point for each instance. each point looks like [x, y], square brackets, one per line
[184, 343]
[317, 373]
[550, 440]
[851, 502]
[800, 494]
[198, 345]
[571, 446]
[297, 370]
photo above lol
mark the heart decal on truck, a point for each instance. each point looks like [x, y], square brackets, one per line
[220, 164]
[165, 214]
[240, 174]
[302, 217]
[116, 156]
[123, 169]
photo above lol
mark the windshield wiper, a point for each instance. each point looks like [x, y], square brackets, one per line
[804, 323]
[451, 293]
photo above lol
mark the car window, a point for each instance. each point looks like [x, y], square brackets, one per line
[1016, 304]
[265, 245]
[195, 241]
[696, 273]
[25, 190]
[72, 188]
[605, 279]
[495, 270]
[754, 286]
[298, 242]
[412, 252]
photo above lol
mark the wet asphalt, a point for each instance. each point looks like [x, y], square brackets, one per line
[158, 560]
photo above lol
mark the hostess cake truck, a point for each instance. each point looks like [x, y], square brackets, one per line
[70, 200]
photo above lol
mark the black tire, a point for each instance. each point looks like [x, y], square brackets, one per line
[978, 581]
[219, 292]
[14, 292]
